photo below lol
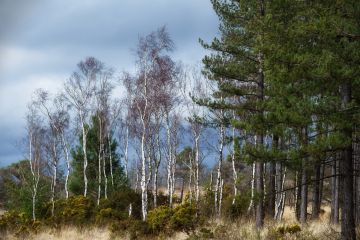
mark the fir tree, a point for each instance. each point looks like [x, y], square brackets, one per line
[76, 180]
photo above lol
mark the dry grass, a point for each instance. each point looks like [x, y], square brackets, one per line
[221, 229]
[70, 233]
[238, 230]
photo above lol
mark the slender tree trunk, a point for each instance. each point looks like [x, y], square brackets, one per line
[126, 151]
[143, 177]
[34, 203]
[334, 216]
[272, 190]
[54, 175]
[67, 159]
[173, 163]
[219, 169]
[304, 181]
[110, 160]
[197, 166]
[357, 185]
[155, 186]
[99, 181]
[280, 203]
[304, 195]
[221, 196]
[272, 182]
[322, 174]
[182, 190]
[190, 177]
[235, 175]
[356, 182]
[99, 162]
[105, 175]
[316, 204]
[84, 140]
[259, 185]
[169, 162]
[251, 205]
[298, 194]
[35, 174]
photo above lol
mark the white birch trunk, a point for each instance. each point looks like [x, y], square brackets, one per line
[99, 162]
[221, 196]
[84, 139]
[280, 201]
[54, 178]
[169, 162]
[110, 159]
[251, 205]
[157, 165]
[235, 175]
[197, 166]
[126, 157]
[190, 177]
[143, 177]
[34, 163]
[65, 147]
[219, 168]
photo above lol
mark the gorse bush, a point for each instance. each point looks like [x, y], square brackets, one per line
[77, 210]
[166, 220]
[184, 218]
[18, 223]
[159, 219]
[133, 227]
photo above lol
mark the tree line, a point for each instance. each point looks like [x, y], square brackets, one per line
[276, 102]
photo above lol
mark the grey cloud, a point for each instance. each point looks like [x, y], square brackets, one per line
[44, 38]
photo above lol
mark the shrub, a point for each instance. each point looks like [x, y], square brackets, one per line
[206, 205]
[159, 218]
[77, 210]
[205, 233]
[135, 228]
[240, 206]
[281, 231]
[105, 216]
[18, 223]
[119, 202]
[184, 218]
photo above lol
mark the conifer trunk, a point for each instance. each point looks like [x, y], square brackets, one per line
[334, 216]
[316, 204]
[297, 194]
[272, 190]
[304, 195]
[347, 173]
[259, 174]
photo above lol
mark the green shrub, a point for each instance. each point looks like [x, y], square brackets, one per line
[77, 210]
[105, 216]
[159, 218]
[184, 218]
[18, 223]
[206, 205]
[240, 206]
[281, 231]
[135, 228]
[119, 202]
[205, 233]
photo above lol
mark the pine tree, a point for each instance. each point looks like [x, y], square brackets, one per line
[76, 180]
[237, 64]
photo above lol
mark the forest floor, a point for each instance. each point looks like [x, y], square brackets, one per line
[216, 229]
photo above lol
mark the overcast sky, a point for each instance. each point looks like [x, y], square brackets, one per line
[41, 41]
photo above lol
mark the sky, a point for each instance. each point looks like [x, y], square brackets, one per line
[41, 41]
